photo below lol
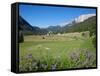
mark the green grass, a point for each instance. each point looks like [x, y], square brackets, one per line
[51, 48]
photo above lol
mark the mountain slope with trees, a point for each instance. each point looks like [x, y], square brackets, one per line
[87, 25]
[27, 29]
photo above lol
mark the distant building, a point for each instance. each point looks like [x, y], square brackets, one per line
[49, 33]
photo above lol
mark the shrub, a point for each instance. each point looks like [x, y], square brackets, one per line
[86, 34]
[43, 37]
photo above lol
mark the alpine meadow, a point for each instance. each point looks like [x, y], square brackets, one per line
[50, 40]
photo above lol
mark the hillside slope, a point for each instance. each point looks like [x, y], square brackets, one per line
[87, 25]
[27, 29]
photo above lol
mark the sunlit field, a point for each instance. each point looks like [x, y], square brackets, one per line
[56, 52]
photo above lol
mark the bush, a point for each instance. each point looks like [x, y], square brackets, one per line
[43, 37]
[83, 34]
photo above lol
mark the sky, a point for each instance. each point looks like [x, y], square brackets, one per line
[44, 16]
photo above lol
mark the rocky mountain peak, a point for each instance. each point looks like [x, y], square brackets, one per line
[83, 17]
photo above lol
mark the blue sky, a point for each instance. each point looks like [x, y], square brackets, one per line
[44, 16]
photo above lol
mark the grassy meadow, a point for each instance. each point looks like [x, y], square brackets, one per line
[56, 52]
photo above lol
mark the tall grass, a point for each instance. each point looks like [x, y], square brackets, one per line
[54, 53]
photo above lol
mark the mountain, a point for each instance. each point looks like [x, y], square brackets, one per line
[78, 19]
[83, 17]
[86, 25]
[54, 29]
[27, 29]
[86, 22]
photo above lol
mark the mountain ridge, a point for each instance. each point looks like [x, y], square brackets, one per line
[74, 26]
